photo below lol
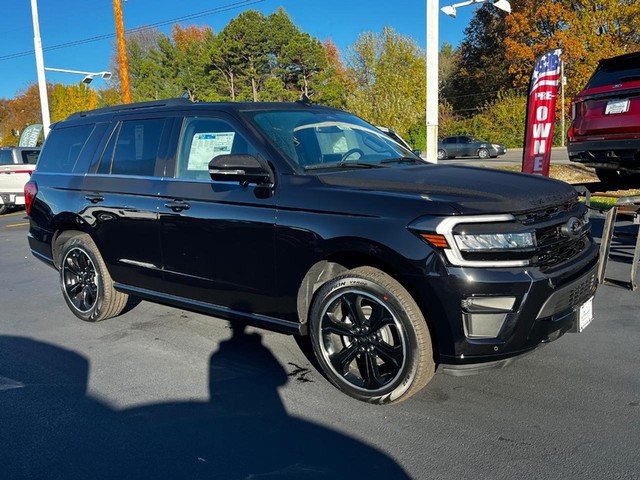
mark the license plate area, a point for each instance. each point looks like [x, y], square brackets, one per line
[584, 316]
[617, 106]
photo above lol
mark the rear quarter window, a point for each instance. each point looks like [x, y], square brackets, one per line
[62, 148]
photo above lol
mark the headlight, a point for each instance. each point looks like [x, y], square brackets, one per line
[479, 240]
[495, 241]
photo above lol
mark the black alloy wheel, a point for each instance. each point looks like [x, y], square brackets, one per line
[85, 281]
[370, 337]
[80, 280]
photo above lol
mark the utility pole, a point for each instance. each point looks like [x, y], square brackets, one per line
[125, 86]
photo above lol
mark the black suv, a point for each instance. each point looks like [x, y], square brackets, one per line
[308, 220]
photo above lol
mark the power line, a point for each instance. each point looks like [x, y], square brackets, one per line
[204, 13]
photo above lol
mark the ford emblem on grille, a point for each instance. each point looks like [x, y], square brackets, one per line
[573, 228]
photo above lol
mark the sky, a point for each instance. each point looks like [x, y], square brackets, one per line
[89, 27]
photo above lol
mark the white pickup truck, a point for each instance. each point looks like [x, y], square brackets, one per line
[16, 166]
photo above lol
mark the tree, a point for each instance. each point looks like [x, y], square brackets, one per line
[192, 58]
[332, 85]
[586, 30]
[305, 58]
[18, 113]
[241, 52]
[67, 99]
[389, 80]
[480, 70]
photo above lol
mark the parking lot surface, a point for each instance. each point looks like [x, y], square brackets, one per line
[164, 393]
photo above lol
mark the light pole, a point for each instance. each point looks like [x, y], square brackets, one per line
[432, 52]
[42, 82]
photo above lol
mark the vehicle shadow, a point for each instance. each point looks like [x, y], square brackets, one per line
[51, 428]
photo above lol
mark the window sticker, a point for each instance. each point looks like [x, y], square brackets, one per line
[206, 146]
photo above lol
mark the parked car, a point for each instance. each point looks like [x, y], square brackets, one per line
[16, 166]
[308, 220]
[605, 121]
[466, 146]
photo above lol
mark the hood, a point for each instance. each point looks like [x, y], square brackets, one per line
[468, 189]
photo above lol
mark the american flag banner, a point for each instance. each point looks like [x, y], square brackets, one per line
[541, 113]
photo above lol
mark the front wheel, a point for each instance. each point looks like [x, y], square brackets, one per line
[483, 153]
[442, 154]
[3, 209]
[85, 281]
[370, 337]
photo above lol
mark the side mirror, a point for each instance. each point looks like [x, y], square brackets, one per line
[245, 169]
[417, 152]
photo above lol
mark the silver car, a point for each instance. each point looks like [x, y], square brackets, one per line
[466, 146]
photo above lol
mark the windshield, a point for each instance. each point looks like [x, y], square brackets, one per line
[314, 140]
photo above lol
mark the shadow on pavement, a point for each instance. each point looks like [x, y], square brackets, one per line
[50, 428]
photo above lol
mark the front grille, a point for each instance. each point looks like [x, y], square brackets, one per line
[555, 247]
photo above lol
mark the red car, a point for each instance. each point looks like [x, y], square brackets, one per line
[605, 121]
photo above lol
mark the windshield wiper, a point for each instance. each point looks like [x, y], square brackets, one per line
[403, 160]
[323, 166]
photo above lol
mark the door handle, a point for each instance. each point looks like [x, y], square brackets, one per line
[177, 206]
[94, 197]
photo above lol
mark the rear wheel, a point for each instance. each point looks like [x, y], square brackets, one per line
[442, 154]
[3, 209]
[85, 281]
[370, 337]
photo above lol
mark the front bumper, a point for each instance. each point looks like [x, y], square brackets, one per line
[545, 306]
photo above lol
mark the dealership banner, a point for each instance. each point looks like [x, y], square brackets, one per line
[541, 114]
[30, 135]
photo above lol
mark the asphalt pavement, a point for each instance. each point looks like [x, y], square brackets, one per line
[164, 393]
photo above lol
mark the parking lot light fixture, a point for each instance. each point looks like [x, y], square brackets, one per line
[500, 4]
[89, 76]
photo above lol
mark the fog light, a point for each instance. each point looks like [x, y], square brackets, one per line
[484, 316]
[483, 325]
[483, 304]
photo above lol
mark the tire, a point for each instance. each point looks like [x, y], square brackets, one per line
[370, 337]
[442, 154]
[85, 281]
[483, 153]
[618, 180]
[609, 177]
[3, 209]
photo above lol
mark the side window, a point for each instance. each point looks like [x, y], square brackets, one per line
[30, 156]
[203, 139]
[135, 148]
[62, 148]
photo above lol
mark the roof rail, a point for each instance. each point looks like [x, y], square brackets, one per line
[132, 106]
